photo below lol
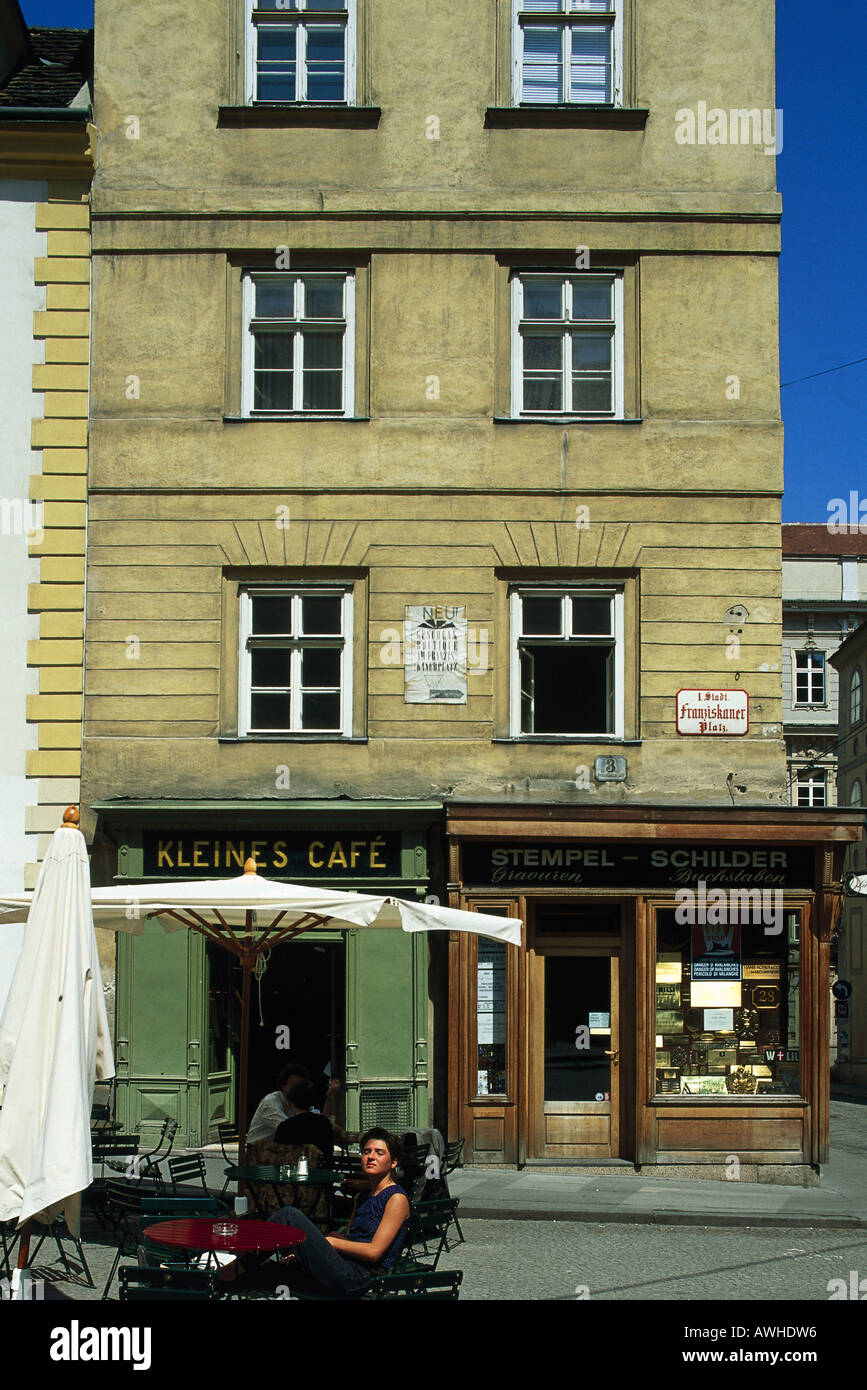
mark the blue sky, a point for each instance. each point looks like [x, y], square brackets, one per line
[820, 173]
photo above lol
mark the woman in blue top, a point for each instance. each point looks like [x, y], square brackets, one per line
[344, 1266]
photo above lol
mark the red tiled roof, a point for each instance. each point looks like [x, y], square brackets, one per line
[810, 539]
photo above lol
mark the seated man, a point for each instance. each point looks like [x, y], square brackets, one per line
[273, 1109]
[306, 1125]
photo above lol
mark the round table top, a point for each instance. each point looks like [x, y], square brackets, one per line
[267, 1172]
[197, 1233]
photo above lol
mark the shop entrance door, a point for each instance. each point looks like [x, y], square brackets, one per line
[575, 1057]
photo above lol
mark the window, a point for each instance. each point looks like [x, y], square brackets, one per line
[812, 788]
[295, 660]
[809, 678]
[567, 662]
[728, 1000]
[856, 794]
[299, 339]
[301, 51]
[855, 697]
[566, 51]
[567, 349]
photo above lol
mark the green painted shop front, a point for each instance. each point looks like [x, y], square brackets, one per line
[357, 1003]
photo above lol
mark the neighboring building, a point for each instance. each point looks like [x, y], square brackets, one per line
[434, 544]
[45, 171]
[850, 661]
[824, 599]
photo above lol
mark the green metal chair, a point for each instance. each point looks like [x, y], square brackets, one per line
[418, 1284]
[228, 1134]
[59, 1231]
[188, 1169]
[428, 1224]
[451, 1161]
[176, 1283]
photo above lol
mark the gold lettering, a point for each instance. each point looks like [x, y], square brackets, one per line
[199, 847]
[163, 854]
[355, 848]
[280, 857]
[182, 863]
[315, 863]
[257, 850]
[337, 856]
[374, 862]
[233, 853]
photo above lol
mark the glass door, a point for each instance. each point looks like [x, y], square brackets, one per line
[576, 1067]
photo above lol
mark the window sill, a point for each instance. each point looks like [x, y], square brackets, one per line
[290, 738]
[761, 1097]
[275, 115]
[567, 420]
[264, 418]
[571, 738]
[566, 114]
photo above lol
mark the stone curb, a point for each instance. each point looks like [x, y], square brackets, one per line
[660, 1218]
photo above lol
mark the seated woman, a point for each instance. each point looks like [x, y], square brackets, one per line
[343, 1266]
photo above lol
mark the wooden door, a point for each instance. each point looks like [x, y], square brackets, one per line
[575, 1052]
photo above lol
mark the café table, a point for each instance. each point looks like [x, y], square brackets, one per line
[271, 1174]
[242, 1237]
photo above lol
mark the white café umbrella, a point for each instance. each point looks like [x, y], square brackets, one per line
[54, 1043]
[248, 915]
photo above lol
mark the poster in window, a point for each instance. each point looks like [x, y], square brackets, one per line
[435, 655]
[716, 951]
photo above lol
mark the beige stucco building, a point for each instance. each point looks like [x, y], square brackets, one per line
[46, 165]
[436, 465]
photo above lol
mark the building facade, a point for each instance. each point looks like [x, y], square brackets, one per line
[824, 600]
[435, 541]
[850, 1008]
[46, 166]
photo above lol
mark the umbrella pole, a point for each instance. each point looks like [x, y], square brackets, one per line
[247, 969]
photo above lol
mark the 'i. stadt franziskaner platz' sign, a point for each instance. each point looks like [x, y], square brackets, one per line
[713, 711]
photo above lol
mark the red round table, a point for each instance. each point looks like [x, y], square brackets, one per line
[197, 1233]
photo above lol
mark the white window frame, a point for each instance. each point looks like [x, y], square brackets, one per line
[612, 277]
[809, 704]
[568, 10]
[296, 19]
[856, 688]
[531, 590]
[295, 326]
[296, 591]
[812, 779]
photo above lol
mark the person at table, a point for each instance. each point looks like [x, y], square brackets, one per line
[273, 1109]
[306, 1125]
[342, 1267]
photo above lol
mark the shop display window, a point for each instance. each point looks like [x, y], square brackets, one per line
[727, 1005]
[491, 1017]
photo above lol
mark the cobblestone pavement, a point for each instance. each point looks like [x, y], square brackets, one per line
[556, 1261]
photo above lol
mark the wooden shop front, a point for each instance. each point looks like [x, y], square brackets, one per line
[670, 1003]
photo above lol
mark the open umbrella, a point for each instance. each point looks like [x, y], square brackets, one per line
[54, 1043]
[248, 915]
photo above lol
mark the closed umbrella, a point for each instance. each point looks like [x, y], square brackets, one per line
[54, 1043]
